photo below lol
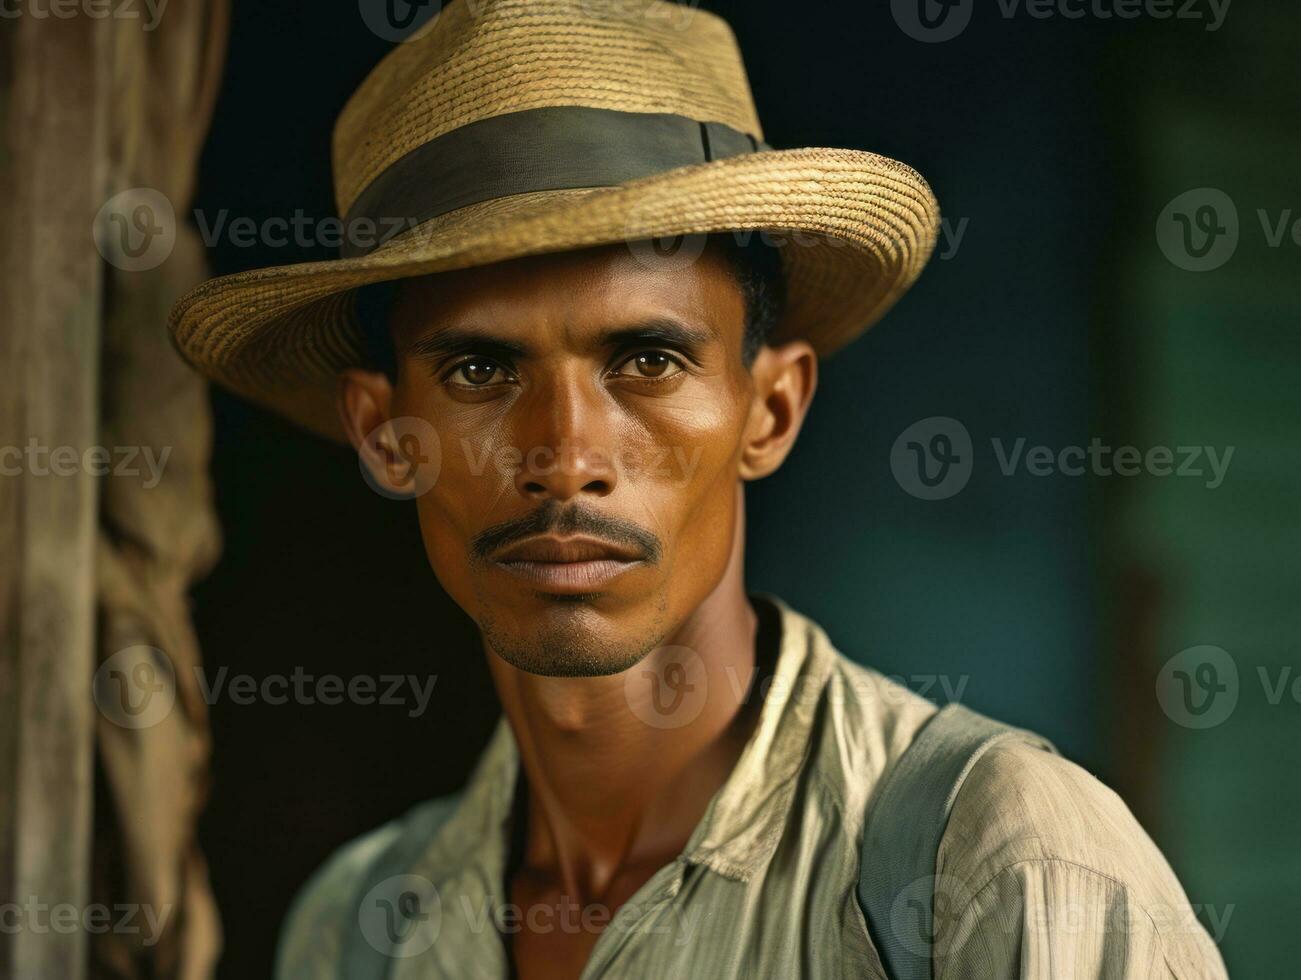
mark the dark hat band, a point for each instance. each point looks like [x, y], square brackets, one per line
[553, 148]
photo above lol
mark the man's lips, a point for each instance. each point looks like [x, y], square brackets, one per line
[568, 565]
[550, 549]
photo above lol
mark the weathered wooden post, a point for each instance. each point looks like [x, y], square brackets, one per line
[53, 82]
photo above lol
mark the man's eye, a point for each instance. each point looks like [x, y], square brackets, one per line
[478, 372]
[654, 364]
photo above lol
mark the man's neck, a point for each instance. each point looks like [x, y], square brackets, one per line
[609, 796]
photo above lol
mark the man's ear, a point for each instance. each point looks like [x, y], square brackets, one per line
[365, 400]
[785, 378]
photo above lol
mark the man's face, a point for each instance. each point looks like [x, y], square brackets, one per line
[591, 410]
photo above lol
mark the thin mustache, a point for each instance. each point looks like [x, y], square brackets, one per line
[550, 518]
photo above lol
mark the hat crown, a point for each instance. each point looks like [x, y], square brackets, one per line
[482, 58]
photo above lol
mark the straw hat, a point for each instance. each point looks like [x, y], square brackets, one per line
[507, 128]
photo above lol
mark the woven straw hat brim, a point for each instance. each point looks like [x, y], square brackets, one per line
[855, 230]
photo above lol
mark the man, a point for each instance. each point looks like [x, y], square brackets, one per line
[682, 780]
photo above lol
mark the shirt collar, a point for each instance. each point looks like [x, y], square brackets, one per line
[743, 822]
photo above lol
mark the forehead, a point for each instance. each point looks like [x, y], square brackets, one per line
[564, 296]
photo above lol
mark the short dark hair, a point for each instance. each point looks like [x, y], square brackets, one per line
[755, 263]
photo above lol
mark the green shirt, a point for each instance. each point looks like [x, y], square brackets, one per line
[1043, 871]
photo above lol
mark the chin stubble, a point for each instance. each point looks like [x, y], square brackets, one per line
[559, 651]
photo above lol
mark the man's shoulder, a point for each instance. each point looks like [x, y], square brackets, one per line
[1036, 838]
[326, 908]
[1022, 803]
[1018, 803]
[311, 937]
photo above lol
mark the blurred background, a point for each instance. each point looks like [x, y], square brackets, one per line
[1118, 268]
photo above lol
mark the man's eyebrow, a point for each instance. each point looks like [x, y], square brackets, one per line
[456, 341]
[453, 341]
[657, 330]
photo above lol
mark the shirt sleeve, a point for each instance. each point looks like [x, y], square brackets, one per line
[1044, 873]
[311, 938]
[1054, 919]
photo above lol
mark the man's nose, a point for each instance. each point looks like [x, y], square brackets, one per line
[565, 444]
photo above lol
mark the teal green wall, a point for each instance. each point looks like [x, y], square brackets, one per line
[1215, 358]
